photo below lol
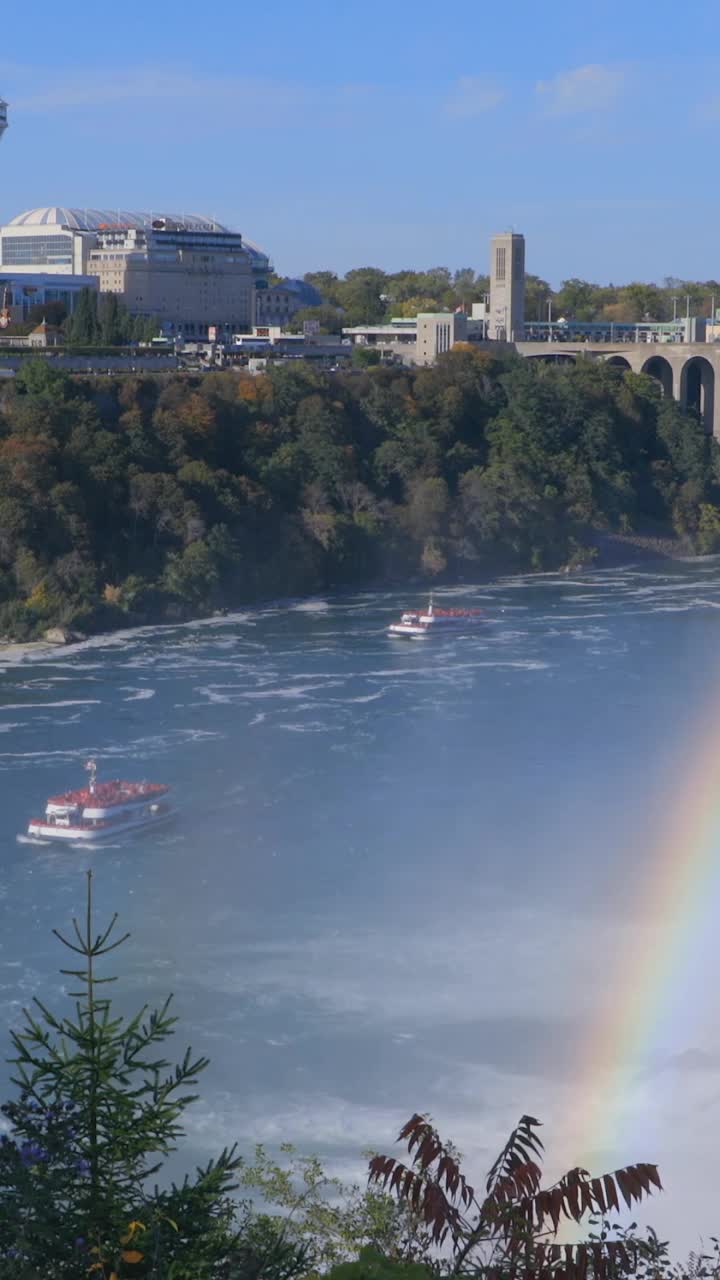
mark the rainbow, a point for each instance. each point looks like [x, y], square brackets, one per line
[651, 984]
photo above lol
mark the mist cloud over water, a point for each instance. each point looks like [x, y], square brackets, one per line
[399, 870]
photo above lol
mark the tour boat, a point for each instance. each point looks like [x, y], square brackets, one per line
[416, 623]
[410, 627]
[101, 809]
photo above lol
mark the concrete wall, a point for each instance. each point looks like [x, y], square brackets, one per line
[9, 365]
[437, 332]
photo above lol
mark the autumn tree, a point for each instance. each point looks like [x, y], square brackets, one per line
[509, 1228]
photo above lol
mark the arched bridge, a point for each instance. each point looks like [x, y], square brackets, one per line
[689, 372]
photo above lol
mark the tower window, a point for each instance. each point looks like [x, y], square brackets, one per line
[500, 264]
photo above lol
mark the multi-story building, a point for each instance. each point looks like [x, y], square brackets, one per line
[418, 340]
[53, 241]
[20, 294]
[437, 332]
[188, 273]
[507, 287]
[278, 303]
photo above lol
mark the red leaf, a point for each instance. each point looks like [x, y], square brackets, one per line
[611, 1193]
[597, 1189]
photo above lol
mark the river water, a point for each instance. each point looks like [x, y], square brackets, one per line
[402, 872]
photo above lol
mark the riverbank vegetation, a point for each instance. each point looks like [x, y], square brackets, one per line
[98, 1109]
[147, 498]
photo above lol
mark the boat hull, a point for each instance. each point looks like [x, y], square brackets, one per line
[96, 834]
[407, 631]
[454, 620]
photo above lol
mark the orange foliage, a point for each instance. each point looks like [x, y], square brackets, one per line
[252, 388]
[197, 414]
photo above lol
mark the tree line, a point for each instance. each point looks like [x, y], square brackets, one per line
[98, 320]
[367, 295]
[159, 497]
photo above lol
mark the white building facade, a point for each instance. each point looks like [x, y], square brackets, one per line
[187, 272]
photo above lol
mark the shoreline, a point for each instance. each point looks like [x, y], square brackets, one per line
[614, 551]
[612, 548]
[19, 648]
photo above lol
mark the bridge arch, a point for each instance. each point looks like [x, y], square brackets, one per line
[697, 390]
[554, 357]
[619, 362]
[660, 369]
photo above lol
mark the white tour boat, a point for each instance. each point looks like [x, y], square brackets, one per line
[101, 809]
[417, 623]
[410, 627]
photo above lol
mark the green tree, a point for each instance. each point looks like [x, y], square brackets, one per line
[577, 299]
[537, 295]
[468, 287]
[144, 328]
[98, 1110]
[326, 283]
[112, 328]
[191, 575]
[332, 1220]
[708, 534]
[372, 1265]
[39, 378]
[360, 294]
[366, 357]
[83, 328]
[413, 306]
[328, 317]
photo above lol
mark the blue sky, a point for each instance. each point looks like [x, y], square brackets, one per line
[342, 134]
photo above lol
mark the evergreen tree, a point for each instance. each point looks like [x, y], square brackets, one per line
[110, 320]
[98, 1110]
[83, 327]
[143, 328]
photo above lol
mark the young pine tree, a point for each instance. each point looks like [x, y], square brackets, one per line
[98, 1110]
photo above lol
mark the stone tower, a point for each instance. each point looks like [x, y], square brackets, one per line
[507, 287]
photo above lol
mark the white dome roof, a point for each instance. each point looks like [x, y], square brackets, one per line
[93, 219]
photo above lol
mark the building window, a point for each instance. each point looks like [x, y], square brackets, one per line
[36, 251]
[500, 264]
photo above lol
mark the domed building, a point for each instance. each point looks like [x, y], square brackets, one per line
[188, 272]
